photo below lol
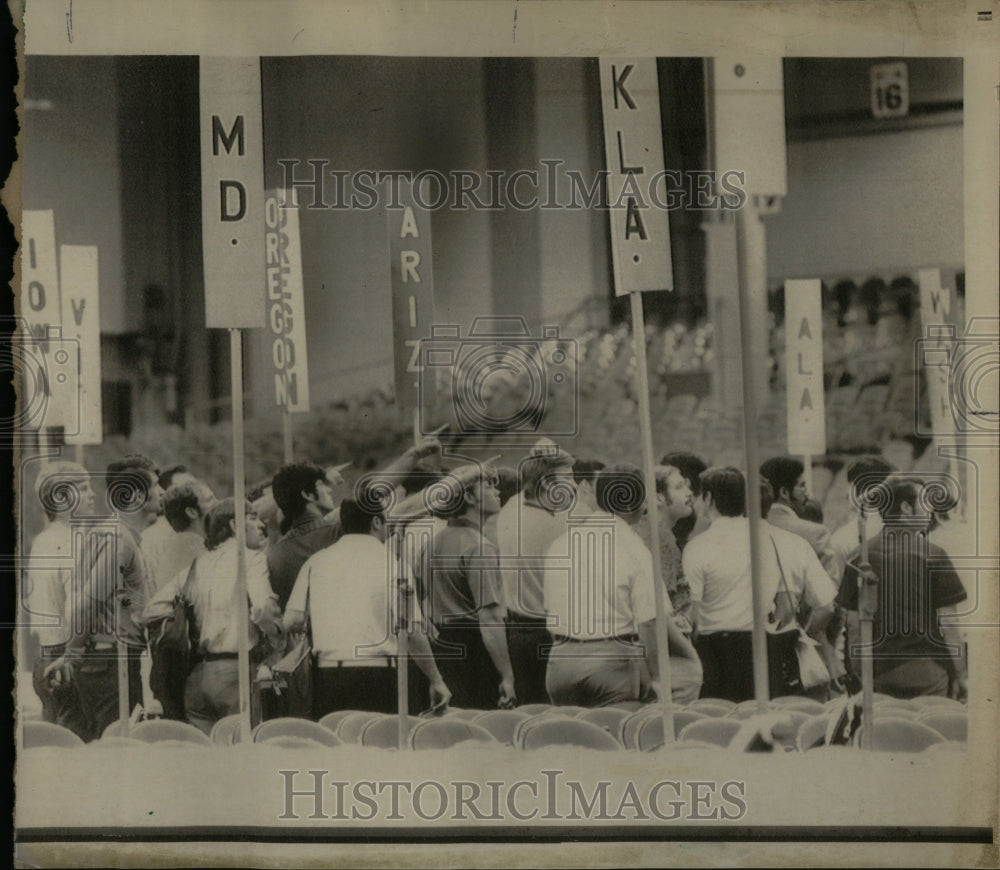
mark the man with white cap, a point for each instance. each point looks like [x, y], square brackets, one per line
[63, 488]
[460, 576]
[526, 528]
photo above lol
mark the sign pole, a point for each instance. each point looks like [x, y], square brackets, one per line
[867, 604]
[239, 498]
[123, 698]
[761, 685]
[652, 511]
[288, 439]
[397, 541]
[807, 473]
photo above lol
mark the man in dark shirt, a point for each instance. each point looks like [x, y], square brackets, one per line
[460, 576]
[913, 654]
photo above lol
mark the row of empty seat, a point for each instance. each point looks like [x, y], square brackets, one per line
[792, 723]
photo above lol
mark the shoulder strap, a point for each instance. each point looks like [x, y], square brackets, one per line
[783, 583]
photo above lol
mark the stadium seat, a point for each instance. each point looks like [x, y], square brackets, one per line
[712, 706]
[630, 725]
[952, 726]
[900, 735]
[535, 709]
[445, 733]
[157, 730]
[226, 731]
[559, 731]
[350, 727]
[896, 708]
[293, 727]
[630, 706]
[608, 718]
[37, 734]
[692, 744]
[383, 732]
[799, 703]
[719, 732]
[331, 721]
[114, 742]
[569, 710]
[113, 729]
[946, 746]
[291, 742]
[746, 709]
[458, 713]
[935, 702]
[812, 732]
[649, 733]
[502, 723]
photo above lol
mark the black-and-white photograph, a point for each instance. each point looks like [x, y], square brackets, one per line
[492, 436]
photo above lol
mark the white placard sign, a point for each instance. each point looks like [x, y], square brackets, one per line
[51, 395]
[285, 301]
[633, 145]
[81, 322]
[804, 368]
[935, 350]
[749, 98]
[232, 191]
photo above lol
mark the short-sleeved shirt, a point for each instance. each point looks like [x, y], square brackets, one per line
[286, 557]
[717, 565]
[168, 552]
[115, 589]
[915, 583]
[525, 529]
[47, 586]
[816, 534]
[460, 574]
[348, 592]
[599, 580]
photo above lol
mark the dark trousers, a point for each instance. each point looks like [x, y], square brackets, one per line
[727, 664]
[61, 703]
[528, 644]
[350, 688]
[96, 677]
[466, 667]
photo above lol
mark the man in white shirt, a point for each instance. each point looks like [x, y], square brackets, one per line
[599, 594]
[156, 537]
[786, 476]
[717, 566]
[184, 508]
[212, 690]
[62, 487]
[347, 594]
[863, 473]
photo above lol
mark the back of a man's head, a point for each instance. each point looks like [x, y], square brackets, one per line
[177, 500]
[766, 499]
[688, 464]
[289, 484]
[782, 472]
[129, 478]
[587, 470]
[866, 472]
[535, 467]
[355, 518]
[218, 522]
[727, 487]
[620, 490]
[899, 491]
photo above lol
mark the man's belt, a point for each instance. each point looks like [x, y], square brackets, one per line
[373, 662]
[622, 638]
[216, 657]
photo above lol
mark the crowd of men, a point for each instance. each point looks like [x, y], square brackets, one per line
[533, 584]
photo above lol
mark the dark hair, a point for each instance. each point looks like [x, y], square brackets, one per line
[727, 487]
[289, 484]
[507, 484]
[534, 468]
[874, 469]
[766, 499]
[843, 293]
[355, 519]
[620, 489]
[217, 522]
[167, 475]
[900, 491]
[176, 501]
[871, 294]
[587, 469]
[125, 492]
[782, 472]
[688, 464]
[258, 489]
